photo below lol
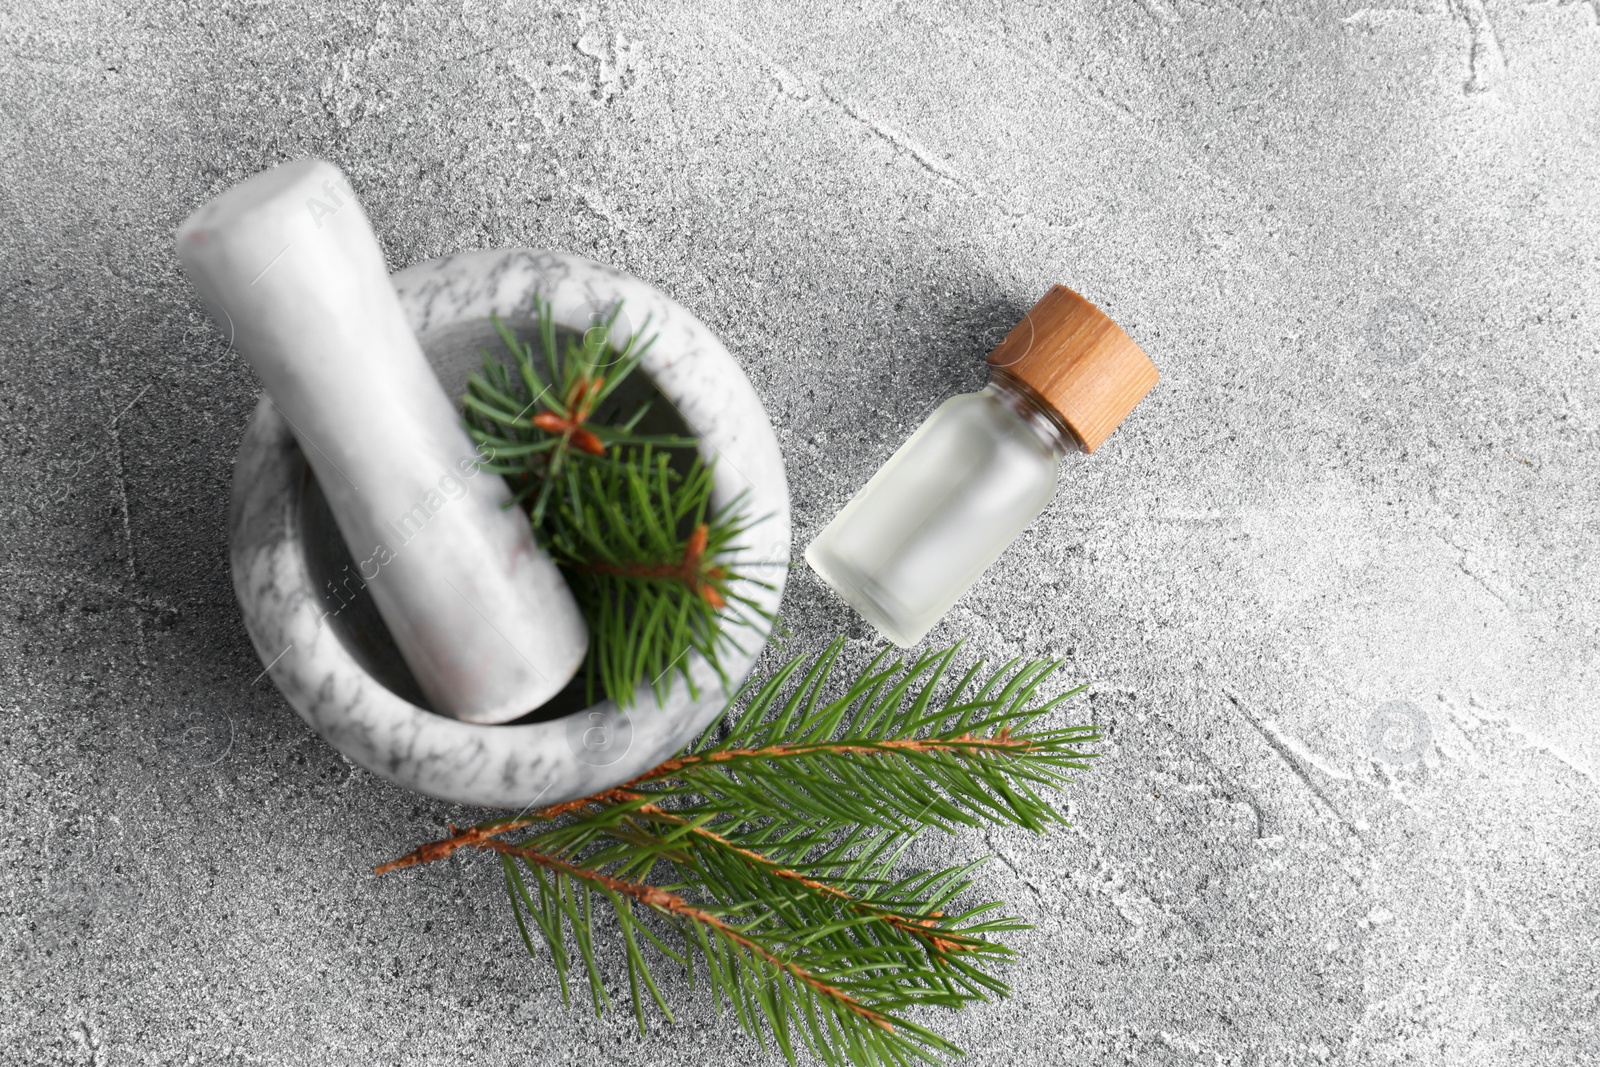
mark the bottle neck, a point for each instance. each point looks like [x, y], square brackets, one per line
[1016, 396]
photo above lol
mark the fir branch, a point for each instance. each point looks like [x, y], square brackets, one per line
[534, 451]
[790, 902]
[716, 851]
[650, 592]
[635, 533]
[788, 965]
[886, 753]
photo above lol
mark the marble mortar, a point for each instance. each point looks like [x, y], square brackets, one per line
[325, 647]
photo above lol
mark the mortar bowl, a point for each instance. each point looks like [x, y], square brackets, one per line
[324, 644]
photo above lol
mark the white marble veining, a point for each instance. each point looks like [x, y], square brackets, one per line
[448, 302]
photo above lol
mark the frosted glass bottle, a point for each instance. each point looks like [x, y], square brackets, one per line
[981, 468]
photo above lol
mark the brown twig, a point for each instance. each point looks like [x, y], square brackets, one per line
[690, 570]
[476, 835]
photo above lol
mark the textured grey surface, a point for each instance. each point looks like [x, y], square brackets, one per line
[1334, 583]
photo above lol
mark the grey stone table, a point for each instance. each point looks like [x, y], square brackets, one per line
[1334, 584]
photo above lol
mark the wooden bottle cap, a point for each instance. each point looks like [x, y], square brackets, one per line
[1074, 358]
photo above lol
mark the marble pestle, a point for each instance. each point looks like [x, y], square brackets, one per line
[290, 269]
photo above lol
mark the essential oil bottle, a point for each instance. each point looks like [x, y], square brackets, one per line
[981, 468]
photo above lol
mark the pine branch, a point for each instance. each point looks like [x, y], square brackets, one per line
[790, 903]
[635, 533]
[535, 426]
[650, 593]
[886, 753]
[817, 980]
[716, 851]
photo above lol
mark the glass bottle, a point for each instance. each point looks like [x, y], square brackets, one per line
[981, 468]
